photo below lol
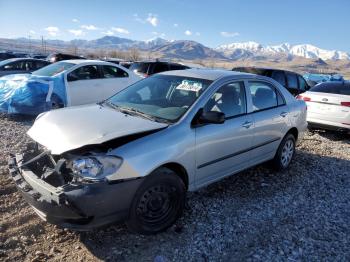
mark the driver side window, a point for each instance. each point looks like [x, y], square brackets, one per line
[229, 99]
[84, 73]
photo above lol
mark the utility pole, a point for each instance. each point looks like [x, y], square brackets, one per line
[42, 44]
[30, 45]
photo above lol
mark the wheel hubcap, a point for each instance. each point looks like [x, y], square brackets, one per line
[287, 153]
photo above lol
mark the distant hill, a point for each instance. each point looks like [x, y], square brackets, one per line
[186, 49]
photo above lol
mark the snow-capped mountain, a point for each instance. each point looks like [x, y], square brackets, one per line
[250, 49]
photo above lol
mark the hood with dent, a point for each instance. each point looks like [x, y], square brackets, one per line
[71, 128]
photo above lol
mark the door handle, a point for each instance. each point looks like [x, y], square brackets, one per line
[284, 114]
[247, 124]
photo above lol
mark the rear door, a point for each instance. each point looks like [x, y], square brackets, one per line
[114, 79]
[84, 84]
[270, 116]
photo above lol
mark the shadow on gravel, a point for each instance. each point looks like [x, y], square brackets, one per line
[25, 119]
[332, 135]
[257, 210]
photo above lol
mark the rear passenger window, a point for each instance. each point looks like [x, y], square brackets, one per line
[302, 84]
[177, 67]
[263, 96]
[292, 80]
[113, 72]
[160, 67]
[279, 77]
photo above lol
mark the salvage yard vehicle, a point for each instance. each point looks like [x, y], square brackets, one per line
[328, 106]
[56, 57]
[21, 65]
[147, 68]
[62, 84]
[294, 82]
[134, 156]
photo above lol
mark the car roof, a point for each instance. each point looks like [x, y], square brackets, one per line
[264, 68]
[209, 74]
[10, 60]
[82, 61]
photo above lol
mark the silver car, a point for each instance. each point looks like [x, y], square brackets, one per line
[134, 156]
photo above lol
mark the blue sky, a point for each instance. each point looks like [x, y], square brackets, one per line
[323, 23]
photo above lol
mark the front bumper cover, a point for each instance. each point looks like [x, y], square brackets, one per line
[74, 206]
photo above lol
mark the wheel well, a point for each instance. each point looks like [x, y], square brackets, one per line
[179, 170]
[294, 132]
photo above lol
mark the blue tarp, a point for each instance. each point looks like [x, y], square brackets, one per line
[30, 94]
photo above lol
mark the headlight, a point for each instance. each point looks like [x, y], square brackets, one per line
[95, 167]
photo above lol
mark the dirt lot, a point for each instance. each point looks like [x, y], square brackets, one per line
[300, 214]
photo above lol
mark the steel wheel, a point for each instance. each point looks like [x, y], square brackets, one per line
[158, 202]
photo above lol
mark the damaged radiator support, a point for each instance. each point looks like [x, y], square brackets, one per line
[45, 167]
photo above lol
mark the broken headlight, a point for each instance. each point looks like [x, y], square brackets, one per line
[95, 167]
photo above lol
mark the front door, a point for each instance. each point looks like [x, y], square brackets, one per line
[223, 149]
[84, 84]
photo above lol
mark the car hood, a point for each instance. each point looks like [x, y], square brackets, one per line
[71, 128]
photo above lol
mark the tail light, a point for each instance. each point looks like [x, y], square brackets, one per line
[305, 98]
[345, 103]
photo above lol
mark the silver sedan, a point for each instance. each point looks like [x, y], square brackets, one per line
[134, 156]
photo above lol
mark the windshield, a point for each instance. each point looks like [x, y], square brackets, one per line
[162, 97]
[53, 69]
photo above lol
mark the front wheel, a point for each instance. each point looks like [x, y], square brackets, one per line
[158, 202]
[284, 153]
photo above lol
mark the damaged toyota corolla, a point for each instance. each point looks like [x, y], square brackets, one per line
[134, 156]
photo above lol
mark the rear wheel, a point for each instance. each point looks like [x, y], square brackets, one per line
[158, 202]
[284, 153]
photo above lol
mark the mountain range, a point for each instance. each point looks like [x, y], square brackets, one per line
[186, 49]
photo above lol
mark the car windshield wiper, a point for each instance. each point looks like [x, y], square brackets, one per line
[134, 111]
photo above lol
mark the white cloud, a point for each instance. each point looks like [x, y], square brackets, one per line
[152, 19]
[76, 32]
[74, 20]
[32, 32]
[120, 30]
[176, 25]
[188, 32]
[198, 34]
[89, 27]
[108, 32]
[229, 34]
[52, 30]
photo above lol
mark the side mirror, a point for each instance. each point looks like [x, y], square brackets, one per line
[211, 117]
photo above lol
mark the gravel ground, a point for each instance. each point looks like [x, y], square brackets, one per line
[299, 214]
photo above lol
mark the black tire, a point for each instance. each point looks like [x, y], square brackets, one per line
[279, 162]
[158, 203]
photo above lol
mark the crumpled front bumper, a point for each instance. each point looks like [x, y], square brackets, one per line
[74, 206]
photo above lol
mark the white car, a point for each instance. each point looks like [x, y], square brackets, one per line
[62, 84]
[328, 106]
